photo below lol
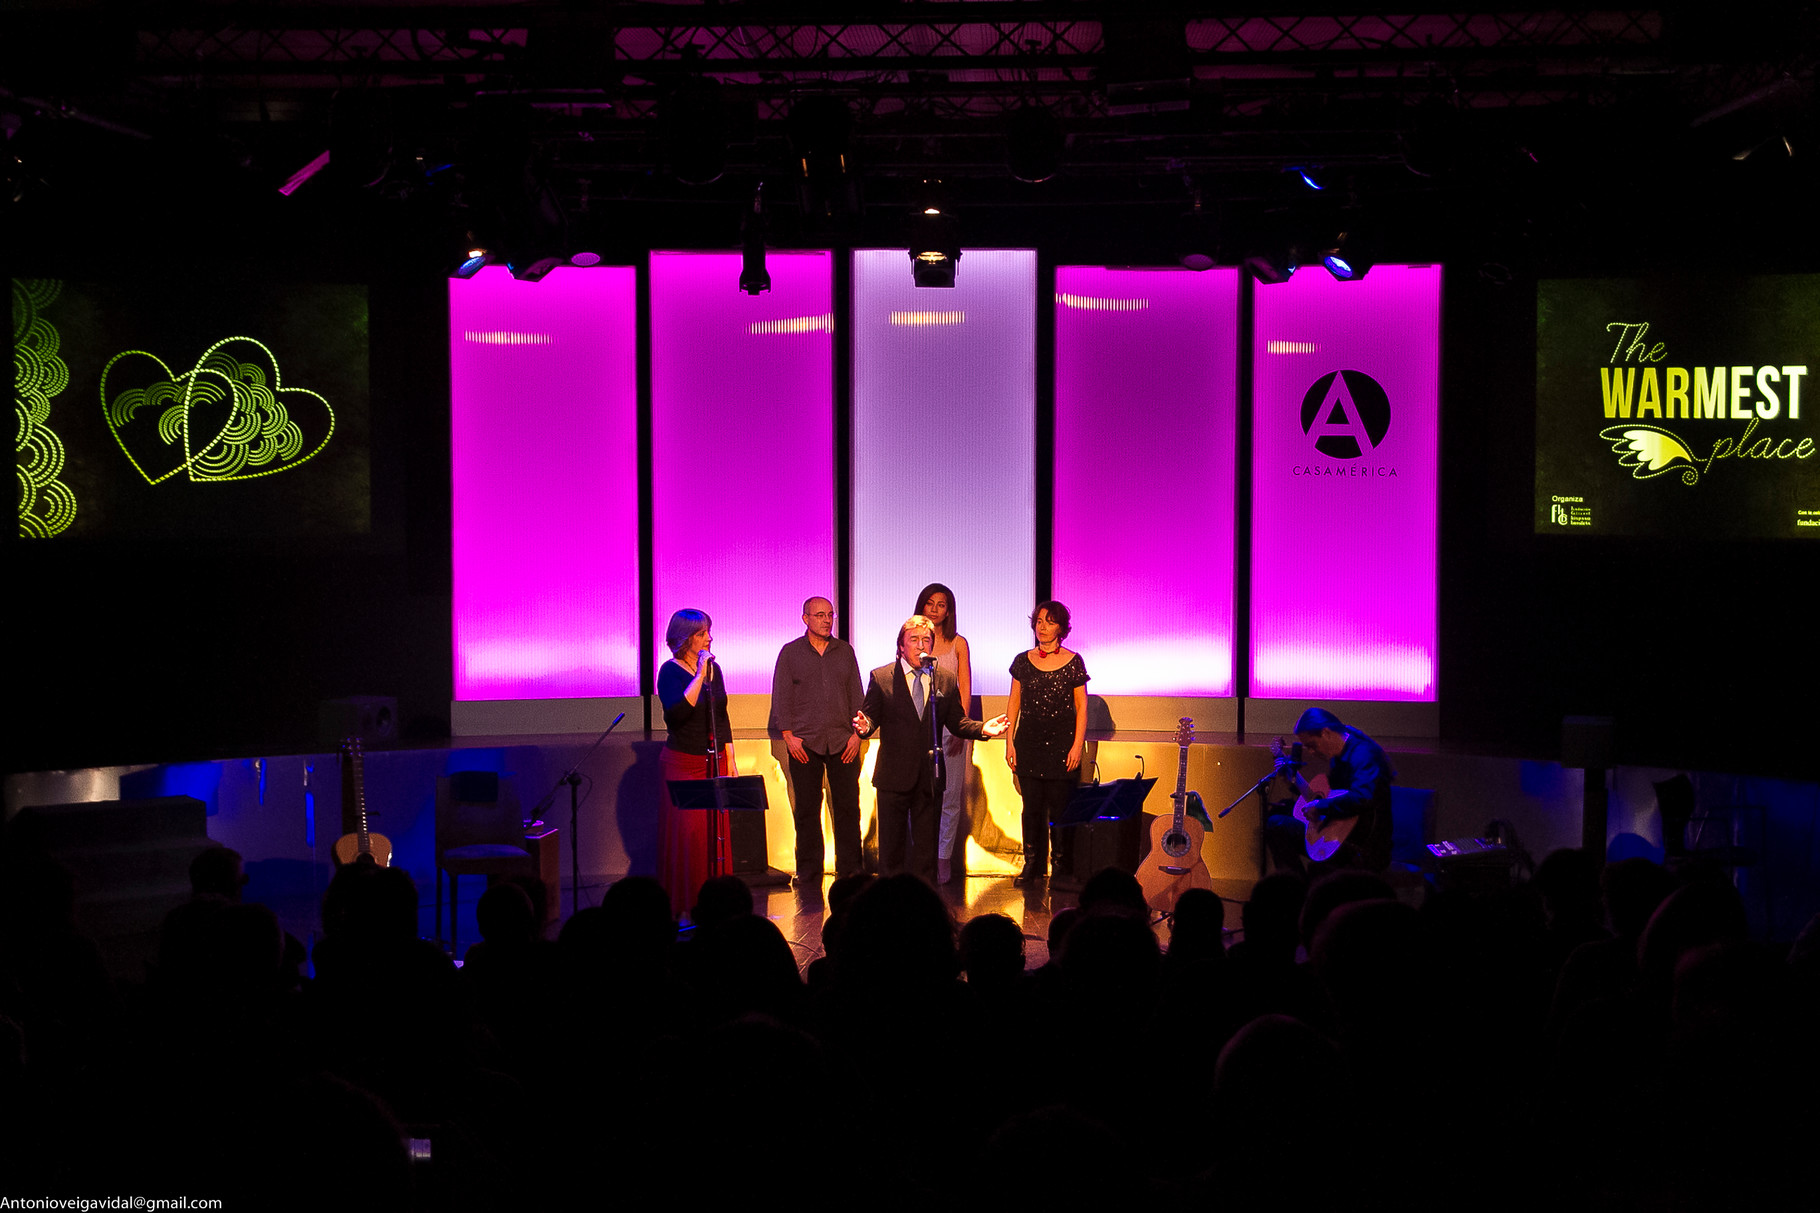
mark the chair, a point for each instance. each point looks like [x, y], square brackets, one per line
[1412, 828]
[479, 832]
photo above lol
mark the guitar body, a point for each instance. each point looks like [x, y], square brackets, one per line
[347, 849]
[1321, 842]
[1174, 863]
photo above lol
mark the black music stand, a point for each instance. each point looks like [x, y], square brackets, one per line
[726, 793]
[1101, 826]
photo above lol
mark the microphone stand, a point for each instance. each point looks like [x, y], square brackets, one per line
[1257, 787]
[572, 777]
[718, 814]
[935, 731]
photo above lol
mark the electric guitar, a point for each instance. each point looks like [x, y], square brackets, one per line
[360, 845]
[1174, 864]
[1321, 838]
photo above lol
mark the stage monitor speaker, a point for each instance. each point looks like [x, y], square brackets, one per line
[1081, 850]
[372, 718]
[746, 839]
[750, 850]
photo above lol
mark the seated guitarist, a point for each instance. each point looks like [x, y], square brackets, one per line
[1360, 776]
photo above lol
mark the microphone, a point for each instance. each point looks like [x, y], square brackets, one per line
[927, 661]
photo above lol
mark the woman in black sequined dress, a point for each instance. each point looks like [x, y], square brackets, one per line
[1048, 730]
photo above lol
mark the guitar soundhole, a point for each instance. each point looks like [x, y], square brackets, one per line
[1175, 844]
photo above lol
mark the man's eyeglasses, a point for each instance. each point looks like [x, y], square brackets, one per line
[821, 615]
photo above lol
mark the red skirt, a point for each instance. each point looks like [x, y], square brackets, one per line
[686, 838]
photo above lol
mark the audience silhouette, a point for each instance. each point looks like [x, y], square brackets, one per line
[1602, 1035]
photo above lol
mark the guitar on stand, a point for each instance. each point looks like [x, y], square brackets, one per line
[1321, 838]
[1175, 864]
[361, 844]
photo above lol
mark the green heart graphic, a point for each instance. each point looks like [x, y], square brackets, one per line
[223, 419]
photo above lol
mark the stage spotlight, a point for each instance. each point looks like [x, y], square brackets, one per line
[584, 259]
[1349, 260]
[935, 249]
[475, 257]
[1278, 265]
[532, 268]
[1309, 174]
[1195, 238]
[476, 261]
[754, 278]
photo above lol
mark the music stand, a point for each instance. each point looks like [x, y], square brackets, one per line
[741, 793]
[1098, 828]
[1113, 801]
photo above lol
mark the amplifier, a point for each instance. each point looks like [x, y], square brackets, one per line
[1470, 850]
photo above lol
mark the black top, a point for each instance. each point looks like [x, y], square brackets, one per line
[814, 695]
[1360, 778]
[1045, 716]
[687, 722]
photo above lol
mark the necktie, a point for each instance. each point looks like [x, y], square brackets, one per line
[917, 695]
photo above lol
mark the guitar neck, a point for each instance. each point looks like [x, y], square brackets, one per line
[360, 802]
[1181, 787]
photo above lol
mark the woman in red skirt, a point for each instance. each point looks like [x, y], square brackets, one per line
[694, 696]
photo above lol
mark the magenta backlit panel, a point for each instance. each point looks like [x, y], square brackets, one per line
[944, 452]
[1146, 414]
[544, 484]
[742, 451]
[1345, 475]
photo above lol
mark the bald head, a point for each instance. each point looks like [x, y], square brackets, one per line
[818, 618]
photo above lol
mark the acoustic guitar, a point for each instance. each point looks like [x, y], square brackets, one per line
[1174, 864]
[361, 844]
[1320, 838]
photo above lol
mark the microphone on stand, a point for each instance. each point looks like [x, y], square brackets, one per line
[927, 661]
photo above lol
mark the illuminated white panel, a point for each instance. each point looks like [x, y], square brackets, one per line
[944, 442]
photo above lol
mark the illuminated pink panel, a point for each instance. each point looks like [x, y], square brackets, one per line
[544, 484]
[944, 451]
[742, 451]
[1345, 471]
[1146, 413]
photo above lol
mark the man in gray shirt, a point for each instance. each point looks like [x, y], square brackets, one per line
[814, 694]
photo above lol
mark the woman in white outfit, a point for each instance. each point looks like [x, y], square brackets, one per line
[936, 603]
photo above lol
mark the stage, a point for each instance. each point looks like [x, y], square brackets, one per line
[283, 813]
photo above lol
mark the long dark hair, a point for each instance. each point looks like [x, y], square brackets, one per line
[922, 599]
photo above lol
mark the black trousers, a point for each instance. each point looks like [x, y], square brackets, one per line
[843, 811]
[909, 828]
[1044, 800]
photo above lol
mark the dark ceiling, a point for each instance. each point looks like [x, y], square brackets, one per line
[1503, 137]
